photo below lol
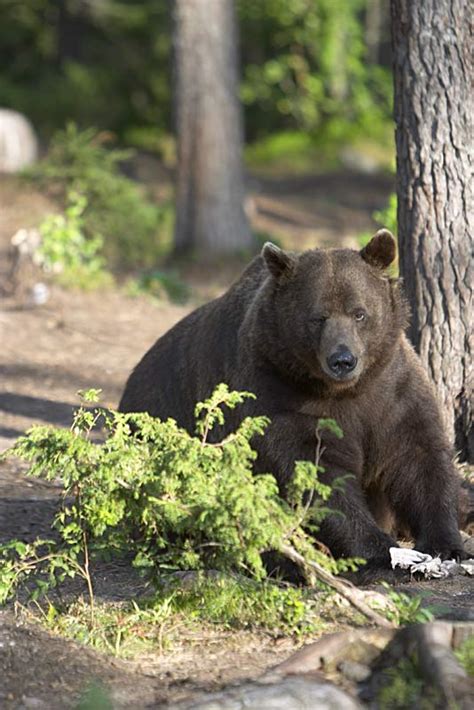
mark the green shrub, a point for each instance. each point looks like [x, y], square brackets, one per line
[404, 688]
[178, 501]
[465, 655]
[242, 603]
[159, 285]
[285, 151]
[117, 208]
[387, 217]
[65, 251]
[408, 609]
[305, 67]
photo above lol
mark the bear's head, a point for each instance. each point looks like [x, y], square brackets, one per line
[333, 314]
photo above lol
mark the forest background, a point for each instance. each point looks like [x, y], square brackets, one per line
[315, 74]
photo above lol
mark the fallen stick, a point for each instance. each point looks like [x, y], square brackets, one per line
[345, 589]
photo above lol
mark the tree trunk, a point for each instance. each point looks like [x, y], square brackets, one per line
[432, 44]
[373, 29]
[210, 190]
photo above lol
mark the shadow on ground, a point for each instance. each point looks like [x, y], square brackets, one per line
[48, 410]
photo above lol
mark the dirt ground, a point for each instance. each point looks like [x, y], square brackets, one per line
[79, 340]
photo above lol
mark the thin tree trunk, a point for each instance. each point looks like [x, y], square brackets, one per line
[434, 109]
[373, 29]
[210, 189]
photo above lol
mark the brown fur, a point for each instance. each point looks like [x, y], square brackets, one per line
[275, 332]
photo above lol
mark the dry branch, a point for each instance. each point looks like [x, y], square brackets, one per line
[345, 589]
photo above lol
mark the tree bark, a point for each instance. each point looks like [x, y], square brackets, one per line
[434, 108]
[210, 187]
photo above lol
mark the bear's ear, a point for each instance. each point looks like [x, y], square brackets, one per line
[279, 262]
[381, 249]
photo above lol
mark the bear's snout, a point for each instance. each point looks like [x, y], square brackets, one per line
[341, 362]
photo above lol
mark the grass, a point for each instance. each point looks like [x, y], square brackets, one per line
[121, 629]
[242, 603]
[179, 609]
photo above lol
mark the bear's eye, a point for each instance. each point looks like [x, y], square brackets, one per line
[360, 315]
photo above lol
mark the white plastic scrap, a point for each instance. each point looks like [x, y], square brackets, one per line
[428, 566]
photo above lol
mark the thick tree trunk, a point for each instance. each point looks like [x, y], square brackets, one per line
[434, 109]
[210, 190]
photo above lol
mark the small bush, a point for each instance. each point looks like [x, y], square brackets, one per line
[404, 687]
[387, 217]
[408, 609]
[178, 501]
[241, 603]
[160, 285]
[116, 207]
[465, 655]
[66, 252]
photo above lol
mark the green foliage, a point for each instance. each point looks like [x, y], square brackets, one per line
[305, 67]
[95, 698]
[404, 688]
[241, 603]
[465, 655]
[121, 629]
[408, 609]
[115, 206]
[285, 151]
[230, 602]
[42, 561]
[66, 252]
[387, 217]
[160, 285]
[104, 64]
[179, 501]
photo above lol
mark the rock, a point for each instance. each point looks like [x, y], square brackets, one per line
[332, 649]
[469, 546]
[353, 671]
[440, 667]
[462, 630]
[31, 702]
[288, 694]
[18, 142]
[441, 672]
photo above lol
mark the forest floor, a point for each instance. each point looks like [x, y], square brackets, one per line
[78, 340]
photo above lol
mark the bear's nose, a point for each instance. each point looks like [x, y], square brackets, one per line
[342, 361]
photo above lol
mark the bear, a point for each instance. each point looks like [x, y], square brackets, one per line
[321, 334]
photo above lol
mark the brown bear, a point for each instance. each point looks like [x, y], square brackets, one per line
[321, 334]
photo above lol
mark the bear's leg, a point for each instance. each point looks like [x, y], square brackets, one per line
[351, 530]
[423, 490]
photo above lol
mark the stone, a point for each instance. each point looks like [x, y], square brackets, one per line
[18, 142]
[289, 694]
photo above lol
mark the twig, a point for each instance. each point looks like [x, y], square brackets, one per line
[88, 577]
[345, 589]
[317, 457]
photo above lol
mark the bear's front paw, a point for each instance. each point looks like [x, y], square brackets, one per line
[445, 549]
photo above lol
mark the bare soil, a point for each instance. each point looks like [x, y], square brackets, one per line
[79, 340]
